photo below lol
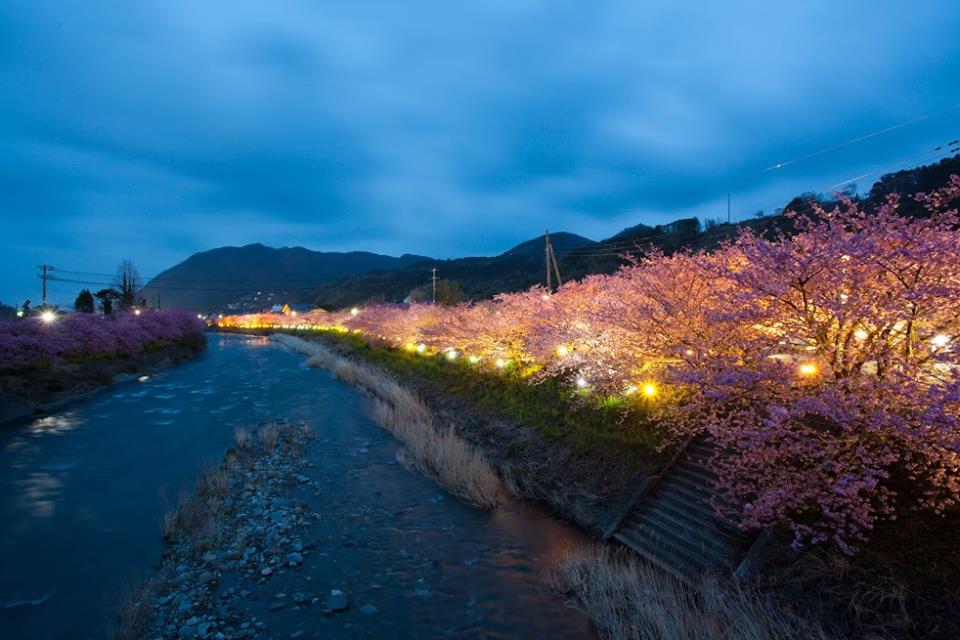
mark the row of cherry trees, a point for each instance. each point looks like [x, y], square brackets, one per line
[823, 361]
[33, 341]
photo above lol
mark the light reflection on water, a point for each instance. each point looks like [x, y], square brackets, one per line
[56, 424]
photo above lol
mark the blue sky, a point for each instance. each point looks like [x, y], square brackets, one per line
[152, 130]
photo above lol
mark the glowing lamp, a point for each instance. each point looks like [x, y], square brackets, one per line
[19, 313]
[563, 350]
[410, 346]
[501, 363]
[808, 369]
[649, 390]
[136, 312]
[545, 296]
[354, 311]
[940, 340]
[421, 348]
[48, 316]
[474, 359]
[861, 335]
[689, 352]
[452, 354]
[199, 317]
[582, 382]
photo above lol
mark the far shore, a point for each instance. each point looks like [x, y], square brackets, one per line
[30, 392]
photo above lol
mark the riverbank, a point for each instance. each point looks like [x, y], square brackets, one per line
[31, 390]
[235, 534]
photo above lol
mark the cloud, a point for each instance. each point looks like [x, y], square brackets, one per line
[152, 130]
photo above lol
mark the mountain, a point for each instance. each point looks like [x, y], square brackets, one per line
[481, 277]
[210, 281]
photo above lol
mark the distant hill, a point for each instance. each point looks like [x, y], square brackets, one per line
[212, 280]
[480, 277]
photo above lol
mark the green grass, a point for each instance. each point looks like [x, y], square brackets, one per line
[594, 425]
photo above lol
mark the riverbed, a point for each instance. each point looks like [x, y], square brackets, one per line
[82, 493]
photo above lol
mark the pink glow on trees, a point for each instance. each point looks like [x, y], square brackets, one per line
[823, 362]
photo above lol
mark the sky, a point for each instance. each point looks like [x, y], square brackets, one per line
[152, 130]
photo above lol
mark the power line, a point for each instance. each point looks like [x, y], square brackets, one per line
[861, 138]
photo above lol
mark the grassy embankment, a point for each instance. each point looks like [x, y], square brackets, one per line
[75, 375]
[594, 425]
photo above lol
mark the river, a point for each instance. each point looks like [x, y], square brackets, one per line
[82, 493]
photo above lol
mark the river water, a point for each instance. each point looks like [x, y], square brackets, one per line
[82, 493]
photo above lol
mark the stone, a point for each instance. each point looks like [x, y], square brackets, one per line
[266, 571]
[369, 610]
[295, 558]
[205, 577]
[337, 600]
[301, 598]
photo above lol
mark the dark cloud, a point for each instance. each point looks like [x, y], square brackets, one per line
[151, 130]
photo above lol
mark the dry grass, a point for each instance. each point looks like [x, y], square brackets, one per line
[627, 598]
[268, 438]
[242, 436]
[437, 452]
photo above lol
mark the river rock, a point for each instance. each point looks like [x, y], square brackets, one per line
[337, 600]
[266, 571]
[295, 558]
[369, 610]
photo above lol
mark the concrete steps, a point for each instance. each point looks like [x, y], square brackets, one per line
[673, 524]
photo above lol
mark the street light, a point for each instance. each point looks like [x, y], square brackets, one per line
[48, 316]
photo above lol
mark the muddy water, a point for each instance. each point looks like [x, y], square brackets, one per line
[82, 492]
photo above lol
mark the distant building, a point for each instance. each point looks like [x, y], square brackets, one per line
[288, 309]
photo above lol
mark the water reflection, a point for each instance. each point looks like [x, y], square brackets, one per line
[39, 493]
[55, 425]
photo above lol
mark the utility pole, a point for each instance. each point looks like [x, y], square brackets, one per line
[551, 262]
[434, 285]
[44, 275]
[546, 253]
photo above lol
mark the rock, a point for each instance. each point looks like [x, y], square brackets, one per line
[369, 610]
[337, 600]
[266, 571]
[209, 557]
[295, 558]
[301, 598]
[302, 479]
[205, 577]
[277, 605]
[203, 628]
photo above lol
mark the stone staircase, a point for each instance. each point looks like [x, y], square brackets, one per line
[671, 523]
